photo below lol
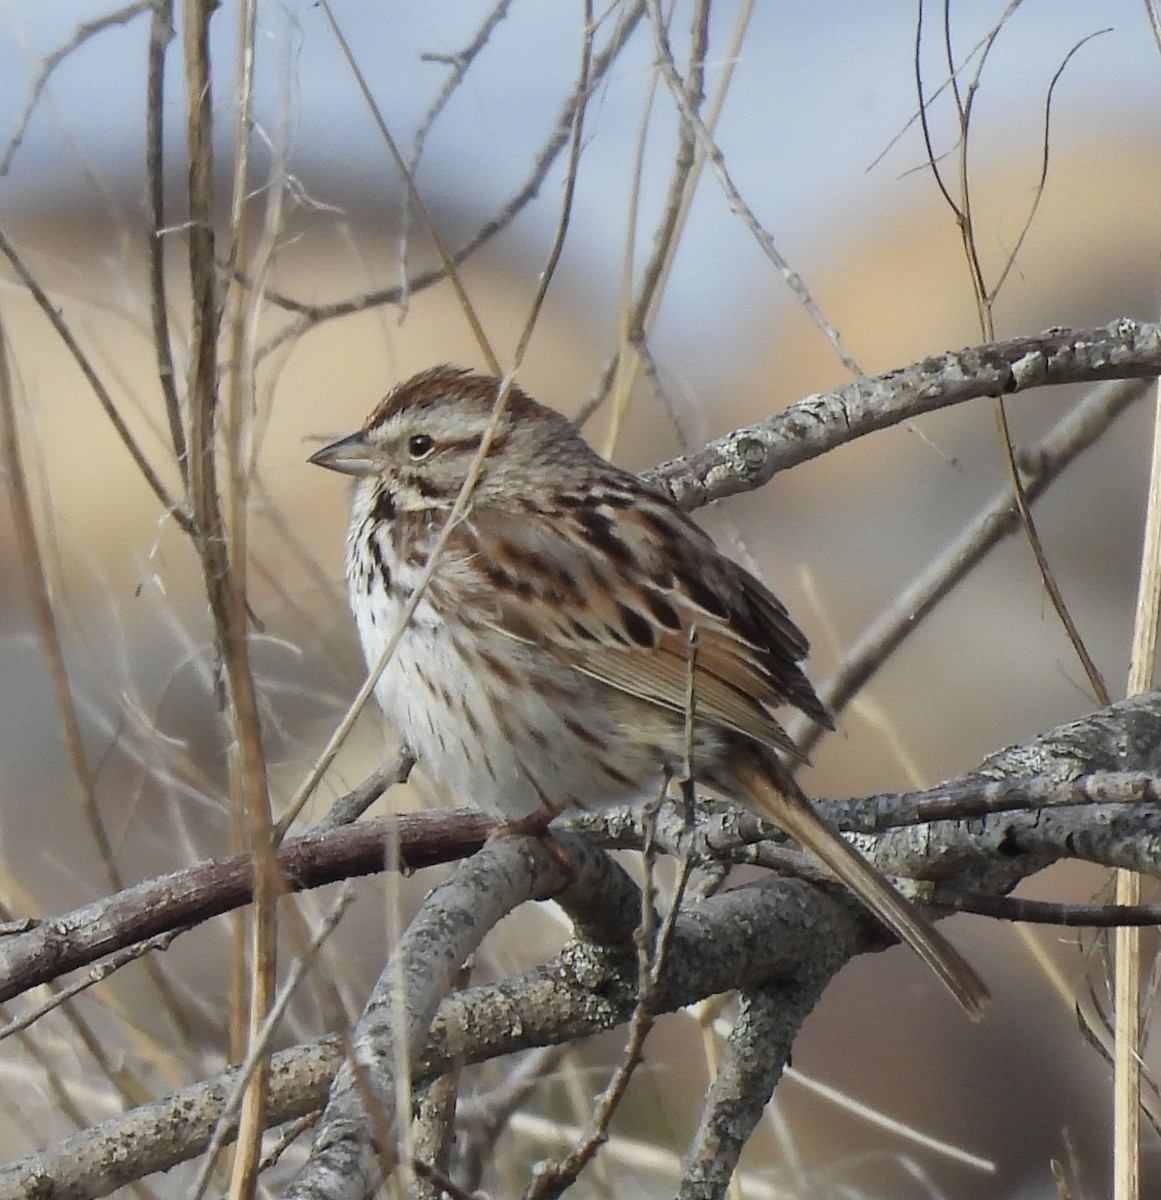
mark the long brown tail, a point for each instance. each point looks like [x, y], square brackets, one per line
[790, 808]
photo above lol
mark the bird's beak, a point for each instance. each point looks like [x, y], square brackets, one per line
[353, 455]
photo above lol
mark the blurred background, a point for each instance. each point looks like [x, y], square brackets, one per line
[819, 134]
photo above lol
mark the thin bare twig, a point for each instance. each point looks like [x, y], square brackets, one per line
[36, 578]
[1127, 1029]
[12, 469]
[84, 31]
[1040, 467]
[1154, 21]
[1045, 912]
[460, 63]
[98, 973]
[483, 1118]
[687, 162]
[104, 398]
[983, 796]
[576, 144]
[161, 34]
[256, 1053]
[447, 263]
[734, 198]
[1042, 182]
[314, 314]
[351, 807]
[985, 302]
[248, 762]
[220, 546]
[879, 1120]
[948, 82]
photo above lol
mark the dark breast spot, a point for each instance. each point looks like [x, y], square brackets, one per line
[490, 768]
[470, 718]
[581, 731]
[422, 677]
[381, 566]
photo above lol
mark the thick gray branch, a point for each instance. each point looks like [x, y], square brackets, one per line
[393, 1029]
[750, 939]
[748, 457]
[741, 938]
[993, 853]
[752, 1062]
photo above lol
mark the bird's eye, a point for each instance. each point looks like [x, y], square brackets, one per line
[419, 446]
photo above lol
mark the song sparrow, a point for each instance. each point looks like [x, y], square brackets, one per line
[546, 666]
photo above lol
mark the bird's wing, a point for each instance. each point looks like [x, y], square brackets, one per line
[616, 590]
